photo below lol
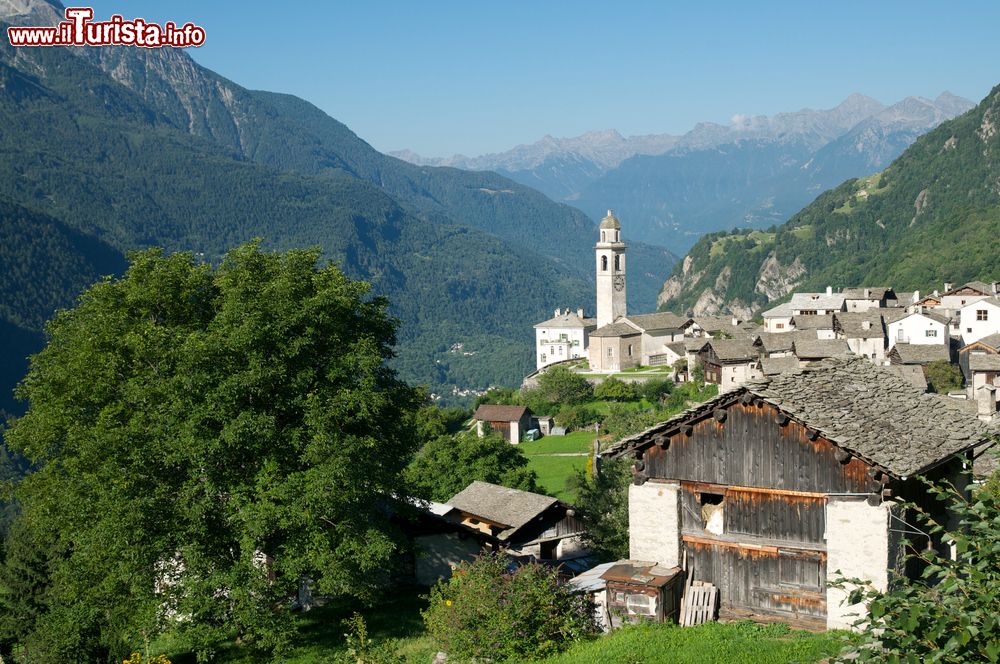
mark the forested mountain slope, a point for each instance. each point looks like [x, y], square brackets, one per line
[932, 215]
[89, 171]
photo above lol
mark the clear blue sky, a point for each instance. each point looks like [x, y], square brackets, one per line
[472, 77]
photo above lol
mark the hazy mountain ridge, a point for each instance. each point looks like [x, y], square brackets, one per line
[931, 216]
[669, 196]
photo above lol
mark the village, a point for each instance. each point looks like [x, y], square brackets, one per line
[803, 470]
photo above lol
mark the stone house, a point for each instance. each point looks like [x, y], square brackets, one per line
[615, 347]
[769, 490]
[779, 318]
[820, 324]
[511, 422]
[863, 333]
[729, 362]
[863, 299]
[812, 304]
[818, 349]
[987, 346]
[954, 299]
[780, 344]
[521, 522]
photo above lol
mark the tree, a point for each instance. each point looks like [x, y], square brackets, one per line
[615, 389]
[488, 611]
[602, 504]
[559, 385]
[205, 437]
[949, 614]
[943, 376]
[448, 464]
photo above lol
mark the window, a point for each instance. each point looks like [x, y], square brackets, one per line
[611, 352]
[630, 350]
[552, 350]
[543, 357]
[982, 314]
[640, 605]
[603, 239]
[604, 263]
[779, 326]
[930, 333]
[712, 515]
[618, 262]
[560, 350]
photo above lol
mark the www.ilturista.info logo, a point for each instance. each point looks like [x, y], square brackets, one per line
[80, 30]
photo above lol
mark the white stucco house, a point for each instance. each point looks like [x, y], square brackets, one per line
[979, 319]
[918, 329]
[806, 304]
[565, 336]
[779, 318]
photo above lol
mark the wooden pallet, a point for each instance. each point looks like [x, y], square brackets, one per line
[698, 605]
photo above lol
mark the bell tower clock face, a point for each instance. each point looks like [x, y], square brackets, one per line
[619, 282]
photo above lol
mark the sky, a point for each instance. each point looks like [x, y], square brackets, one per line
[442, 77]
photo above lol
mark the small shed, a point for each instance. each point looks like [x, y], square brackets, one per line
[639, 590]
[511, 422]
[544, 423]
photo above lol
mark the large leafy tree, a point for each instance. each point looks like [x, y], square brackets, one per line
[205, 438]
[448, 464]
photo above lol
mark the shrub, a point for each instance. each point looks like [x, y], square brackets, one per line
[614, 389]
[577, 417]
[362, 649]
[943, 376]
[487, 611]
[654, 390]
[560, 385]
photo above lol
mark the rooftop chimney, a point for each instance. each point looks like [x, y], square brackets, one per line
[558, 312]
[936, 294]
[916, 296]
[736, 321]
[996, 287]
[829, 290]
[579, 312]
[866, 325]
[986, 402]
[868, 293]
[947, 286]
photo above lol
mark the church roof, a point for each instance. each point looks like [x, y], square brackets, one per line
[615, 330]
[610, 221]
[663, 320]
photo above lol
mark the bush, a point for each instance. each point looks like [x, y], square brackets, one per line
[561, 386]
[577, 417]
[943, 376]
[487, 611]
[949, 614]
[654, 390]
[614, 389]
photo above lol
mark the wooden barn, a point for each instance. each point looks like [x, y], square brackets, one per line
[511, 422]
[768, 490]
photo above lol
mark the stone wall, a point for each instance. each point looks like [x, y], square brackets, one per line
[654, 522]
[859, 545]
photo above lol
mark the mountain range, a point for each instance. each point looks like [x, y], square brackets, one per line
[755, 171]
[106, 150]
[931, 216]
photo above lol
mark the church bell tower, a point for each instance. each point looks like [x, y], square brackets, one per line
[610, 252]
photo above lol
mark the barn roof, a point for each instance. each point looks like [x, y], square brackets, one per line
[733, 350]
[511, 507]
[493, 413]
[863, 408]
[984, 362]
[993, 341]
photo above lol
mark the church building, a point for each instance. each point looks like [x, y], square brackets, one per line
[614, 340]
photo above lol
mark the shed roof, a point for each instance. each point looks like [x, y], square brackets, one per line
[781, 311]
[993, 341]
[858, 406]
[733, 350]
[833, 301]
[813, 322]
[511, 507]
[852, 324]
[776, 365]
[979, 286]
[493, 413]
[816, 349]
[984, 362]
[920, 353]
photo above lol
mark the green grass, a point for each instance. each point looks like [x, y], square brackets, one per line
[733, 643]
[578, 441]
[553, 471]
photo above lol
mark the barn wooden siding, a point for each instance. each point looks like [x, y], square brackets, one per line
[774, 476]
[755, 446]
